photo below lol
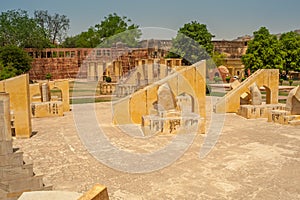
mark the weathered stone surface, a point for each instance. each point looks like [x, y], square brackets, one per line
[50, 195]
[256, 98]
[293, 101]
[234, 84]
[18, 90]
[259, 111]
[166, 100]
[8, 173]
[5, 147]
[22, 184]
[277, 116]
[45, 92]
[15, 176]
[249, 155]
[47, 109]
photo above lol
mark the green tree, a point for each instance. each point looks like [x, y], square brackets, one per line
[218, 58]
[13, 61]
[192, 43]
[111, 30]
[263, 51]
[17, 28]
[290, 51]
[55, 26]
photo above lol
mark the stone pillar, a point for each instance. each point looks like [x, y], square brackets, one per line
[163, 71]
[91, 71]
[45, 93]
[150, 73]
[5, 128]
[100, 71]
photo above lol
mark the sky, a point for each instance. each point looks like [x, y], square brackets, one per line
[226, 19]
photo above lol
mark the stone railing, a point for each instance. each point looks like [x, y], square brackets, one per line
[107, 88]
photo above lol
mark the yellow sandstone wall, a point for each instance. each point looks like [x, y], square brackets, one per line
[18, 89]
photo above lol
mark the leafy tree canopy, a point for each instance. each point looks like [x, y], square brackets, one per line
[13, 61]
[111, 30]
[263, 51]
[55, 26]
[17, 28]
[290, 51]
[192, 43]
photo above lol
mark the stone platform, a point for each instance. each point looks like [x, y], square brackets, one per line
[258, 111]
[252, 159]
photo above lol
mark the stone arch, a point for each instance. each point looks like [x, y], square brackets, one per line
[268, 94]
[185, 102]
[56, 94]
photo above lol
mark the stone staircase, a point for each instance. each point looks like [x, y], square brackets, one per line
[16, 176]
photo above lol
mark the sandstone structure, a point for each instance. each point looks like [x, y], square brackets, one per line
[98, 192]
[89, 63]
[291, 112]
[255, 93]
[49, 98]
[18, 89]
[267, 78]
[188, 80]
[15, 175]
[146, 72]
[293, 101]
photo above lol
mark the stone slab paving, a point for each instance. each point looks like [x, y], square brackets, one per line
[50, 195]
[253, 159]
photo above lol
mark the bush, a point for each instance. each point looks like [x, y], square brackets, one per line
[228, 78]
[291, 82]
[108, 79]
[281, 81]
[217, 79]
[48, 76]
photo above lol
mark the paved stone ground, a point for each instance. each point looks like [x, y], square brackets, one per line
[253, 159]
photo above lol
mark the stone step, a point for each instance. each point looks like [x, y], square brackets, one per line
[5, 147]
[294, 122]
[12, 159]
[12, 173]
[28, 183]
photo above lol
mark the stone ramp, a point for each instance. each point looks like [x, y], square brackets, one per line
[268, 78]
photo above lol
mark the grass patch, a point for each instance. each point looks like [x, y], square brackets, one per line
[283, 93]
[87, 100]
[216, 94]
[282, 101]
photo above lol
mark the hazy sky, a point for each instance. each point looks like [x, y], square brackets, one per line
[226, 19]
